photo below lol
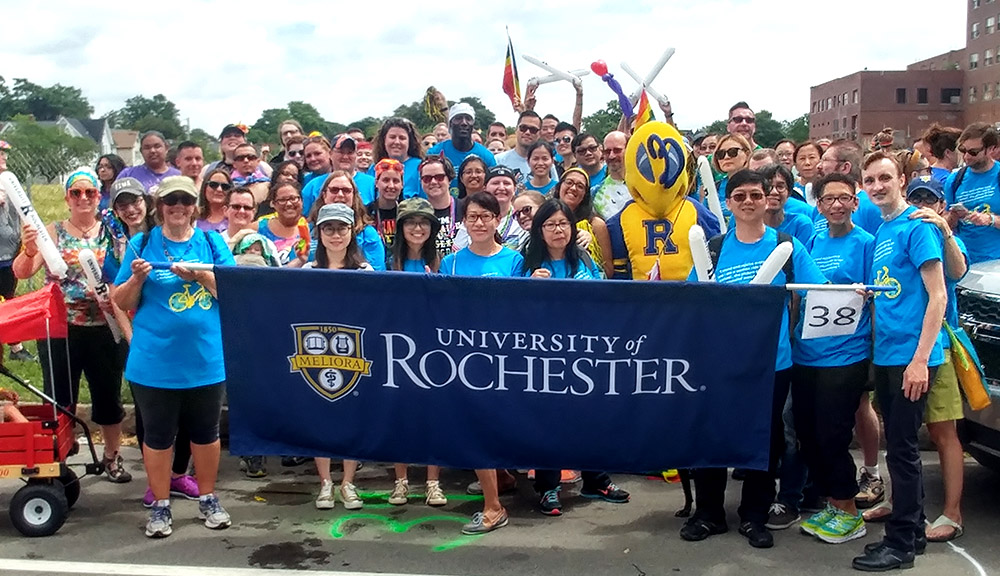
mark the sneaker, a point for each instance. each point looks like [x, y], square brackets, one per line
[400, 492]
[115, 468]
[325, 499]
[185, 486]
[757, 534]
[550, 504]
[148, 499]
[871, 491]
[290, 461]
[435, 496]
[842, 527]
[214, 515]
[478, 524]
[159, 523]
[349, 496]
[570, 477]
[256, 466]
[780, 517]
[817, 520]
[610, 493]
[21, 355]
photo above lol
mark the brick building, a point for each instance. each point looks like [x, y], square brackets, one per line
[954, 88]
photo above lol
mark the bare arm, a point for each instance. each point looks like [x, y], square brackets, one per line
[204, 277]
[578, 108]
[29, 259]
[126, 295]
[603, 238]
[915, 377]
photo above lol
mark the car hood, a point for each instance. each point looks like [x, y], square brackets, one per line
[983, 277]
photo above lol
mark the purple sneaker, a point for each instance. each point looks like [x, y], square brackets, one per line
[147, 500]
[185, 487]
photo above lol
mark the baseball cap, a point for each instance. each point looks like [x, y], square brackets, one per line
[461, 108]
[415, 207]
[233, 129]
[335, 213]
[176, 184]
[342, 140]
[926, 183]
[126, 186]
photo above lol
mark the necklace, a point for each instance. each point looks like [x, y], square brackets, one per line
[84, 233]
[170, 257]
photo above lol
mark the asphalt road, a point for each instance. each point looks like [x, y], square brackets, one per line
[276, 527]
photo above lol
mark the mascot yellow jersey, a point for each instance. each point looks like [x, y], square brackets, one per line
[653, 227]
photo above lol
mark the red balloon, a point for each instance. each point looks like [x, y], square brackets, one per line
[599, 67]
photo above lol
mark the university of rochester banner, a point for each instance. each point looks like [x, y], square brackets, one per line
[484, 372]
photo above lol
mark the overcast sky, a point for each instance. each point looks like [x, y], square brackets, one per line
[223, 62]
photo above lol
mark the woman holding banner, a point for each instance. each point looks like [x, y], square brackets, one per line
[90, 347]
[484, 256]
[176, 316]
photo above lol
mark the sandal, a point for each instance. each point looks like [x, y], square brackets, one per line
[943, 521]
[879, 513]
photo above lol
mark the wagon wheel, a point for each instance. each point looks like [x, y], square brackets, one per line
[39, 509]
[71, 485]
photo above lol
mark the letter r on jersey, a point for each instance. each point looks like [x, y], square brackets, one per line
[659, 231]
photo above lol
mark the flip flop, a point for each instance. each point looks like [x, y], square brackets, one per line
[879, 513]
[941, 521]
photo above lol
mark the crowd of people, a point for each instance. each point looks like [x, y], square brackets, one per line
[544, 200]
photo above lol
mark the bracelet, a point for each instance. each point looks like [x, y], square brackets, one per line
[993, 221]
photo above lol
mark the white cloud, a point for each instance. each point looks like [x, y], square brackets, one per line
[222, 62]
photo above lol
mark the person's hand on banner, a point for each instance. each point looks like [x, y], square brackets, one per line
[915, 380]
[186, 274]
[541, 273]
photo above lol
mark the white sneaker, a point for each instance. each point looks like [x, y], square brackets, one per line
[349, 496]
[325, 499]
[435, 496]
[400, 492]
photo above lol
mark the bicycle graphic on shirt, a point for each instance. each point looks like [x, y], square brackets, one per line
[882, 278]
[181, 301]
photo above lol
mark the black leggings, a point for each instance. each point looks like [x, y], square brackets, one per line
[91, 351]
[182, 444]
[166, 410]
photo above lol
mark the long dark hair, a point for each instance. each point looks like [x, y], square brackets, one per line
[353, 260]
[536, 251]
[428, 252]
[280, 167]
[585, 211]
[462, 192]
[117, 165]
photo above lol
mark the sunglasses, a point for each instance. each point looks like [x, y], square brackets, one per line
[564, 139]
[225, 186]
[923, 199]
[729, 152]
[587, 149]
[90, 193]
[741, 197]
[428, 178]
[178, 198]
[526, 212]
[970, 151]
[294, 153]
[528, 129]
[428, 143]
[742, 120]
[339, 190]
[239, 207]
[245, 157]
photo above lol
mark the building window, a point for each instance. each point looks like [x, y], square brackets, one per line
[989, 25]
[836, 124]
[975, 4]
[854, 122]
[921, 95]
[972, 93]
[829, 103]
[854, 97]
[987, 91]
[900, 95]
[975, 30]
[951, 95]
[988, 58]
[974, 61]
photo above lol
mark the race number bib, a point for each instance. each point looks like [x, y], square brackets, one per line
[831, 313]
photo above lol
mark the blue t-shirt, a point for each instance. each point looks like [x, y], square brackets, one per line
[902, 246]
[414, 265]
[843, 260]
[311, 191]
[585, 269]
[507, 263]
[456, 157]
[868, 216]
[540, 189]
[940, 174]
[795, 206]
[176, 332]
[739, 262]
[951, 309]
[979, 192]
[372, 247]
[726, 214]
[411, 179]
[597, 179]
[797, 225]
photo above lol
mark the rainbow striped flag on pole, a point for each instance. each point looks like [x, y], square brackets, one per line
[644, 113]
[511, 85]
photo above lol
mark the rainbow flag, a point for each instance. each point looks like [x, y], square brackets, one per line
[511, 85]
[644, 113]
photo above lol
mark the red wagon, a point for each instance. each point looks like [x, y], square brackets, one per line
[36, 451]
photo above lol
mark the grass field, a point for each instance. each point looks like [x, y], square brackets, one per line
[50, 203]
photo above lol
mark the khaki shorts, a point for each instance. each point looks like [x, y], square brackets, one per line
[944, 401]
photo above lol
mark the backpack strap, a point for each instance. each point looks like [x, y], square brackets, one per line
[715, 249]
[958, 180]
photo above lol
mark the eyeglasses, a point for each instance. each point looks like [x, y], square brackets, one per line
[828, 201]
[417, 223]
[526, 212]
[614, 150]
[291, 200]
[573, 184]
[480, 217]
[427, 143]
[587, 149]
[245, 157]
[564, 139]
[741, 197]
[335, 229]
[342, 190]
[127, 201]
[742, 119]
[178, 198]
[970, 151]
[294, 153]
[553, 226]
[474, 172]
[90, 193]
[528, 129]
[428, 178]
[225, 186]
[729, 152]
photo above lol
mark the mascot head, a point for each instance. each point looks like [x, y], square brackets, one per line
[656, 168]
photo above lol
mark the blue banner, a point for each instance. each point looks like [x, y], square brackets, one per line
[498, 372]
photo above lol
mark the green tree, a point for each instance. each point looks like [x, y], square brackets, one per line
[415, 113]
[798, 129]
[143, 114]
[45, 151]
[717, 127]
[603, 121]
[769, 131]
[369, 125]
[42, 102]
[311, 119]
[209, 145]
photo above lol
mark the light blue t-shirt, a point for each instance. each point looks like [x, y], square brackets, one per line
[312, 190]
[597, 179]
[843, 260]
[902, 246]
[585, 269]
[176, 333]
[411, 179]
[940, 174]
[414, 265]
[739, 262]
[507, 263]
[372, 247]
[795, 206]
[951, 309]
[540, 189]
[456, 157]
[798, 226]
[979, 192]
